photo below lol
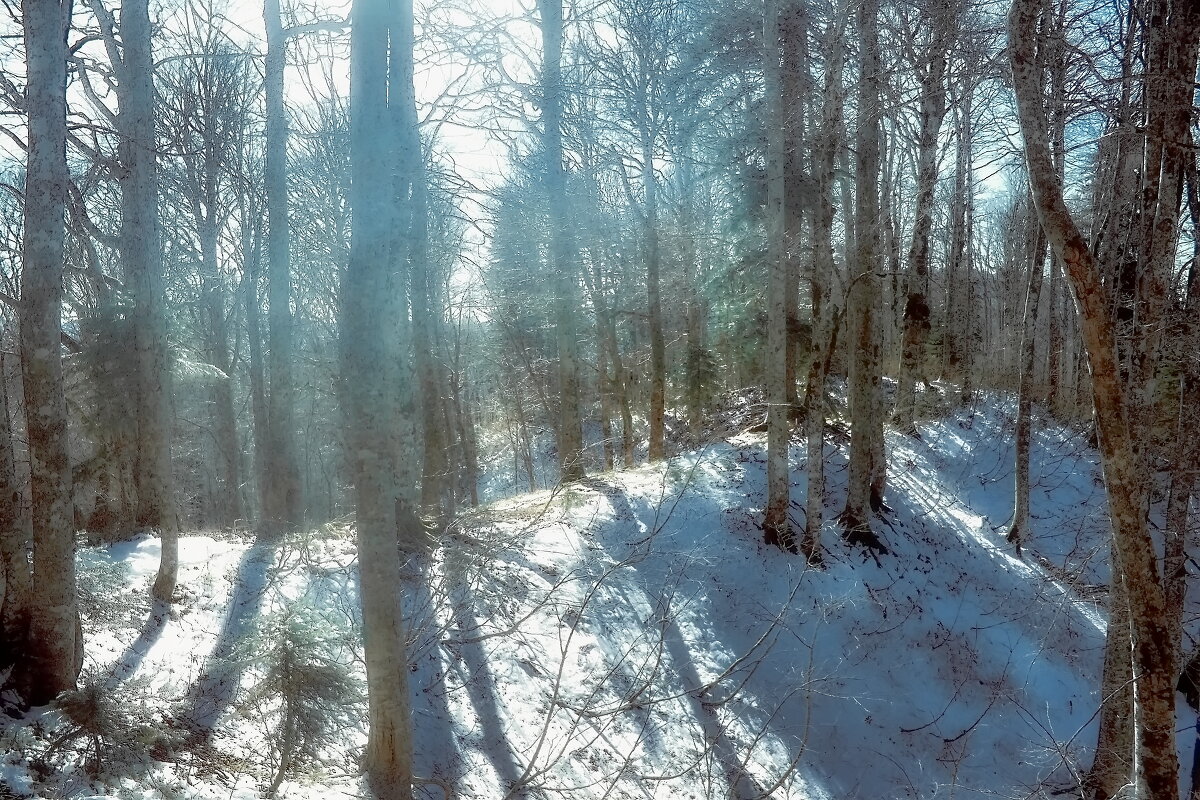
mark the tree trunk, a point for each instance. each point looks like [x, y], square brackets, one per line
[916, 304]
[51, 660]
[1186, 451]
[283, 507]
[776, 529]
[252, 256]
[604, 383]
[141, 252]
[1056, 61]
[466, 437]
[213, 288]
[1019, 530]
[658, 347]
[570, 430]
[960, 320]
[866, 423]
[793, 93]
[1169, 101]
[825, 315]
[376, 422]
[435, 483]
[608, 376]
[1112, 767]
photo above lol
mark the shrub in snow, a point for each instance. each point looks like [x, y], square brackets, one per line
[106, 731]
[306, 694]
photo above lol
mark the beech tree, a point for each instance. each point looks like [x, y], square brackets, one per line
[206, 92]
[570, 432]
[1120, 396]
[377, 400]
[128, 43]
[776, 527]
[865, 490]
[53, 651]
[930, 63]
[282, 503]
[825, 313]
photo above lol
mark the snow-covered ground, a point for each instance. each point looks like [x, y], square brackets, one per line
[631, 637]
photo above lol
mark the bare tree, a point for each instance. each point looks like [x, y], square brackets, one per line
[283, 506]
[776, 528]
[374, 359]
[930, 64]
[53, 653]
[825, 315]
[864, 494]
[128, 41]
[1172, 34]
[205, 100]
[570, 431]
[1018, 531]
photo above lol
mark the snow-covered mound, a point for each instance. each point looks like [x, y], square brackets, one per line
[631, 637]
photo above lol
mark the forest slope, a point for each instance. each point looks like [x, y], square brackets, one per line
[630, 636]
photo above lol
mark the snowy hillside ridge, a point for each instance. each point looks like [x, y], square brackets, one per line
[631, 637]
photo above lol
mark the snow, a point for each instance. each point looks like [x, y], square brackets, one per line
[631, 637]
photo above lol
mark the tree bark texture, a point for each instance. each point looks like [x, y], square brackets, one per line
[51, 660]
[825, 315]
[1018, 532]
[793, 94]
[1112, 767]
